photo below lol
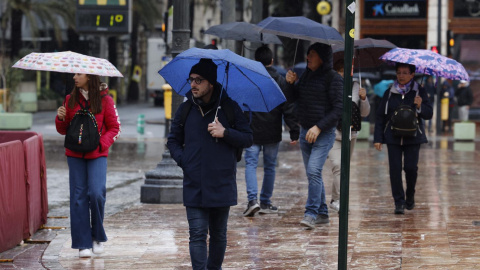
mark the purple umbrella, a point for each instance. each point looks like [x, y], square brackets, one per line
[427, 62]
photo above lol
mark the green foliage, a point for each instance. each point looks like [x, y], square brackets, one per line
[13, 78]
[48, 94]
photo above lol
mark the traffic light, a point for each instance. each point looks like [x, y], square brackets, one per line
[450, 43]
[434, 49]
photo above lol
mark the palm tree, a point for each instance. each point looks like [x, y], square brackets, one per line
[47, 12]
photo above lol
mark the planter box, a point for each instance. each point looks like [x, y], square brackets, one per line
[464, 131]
[364, 133]
[25, 97]
[47, 105]
[15, 121]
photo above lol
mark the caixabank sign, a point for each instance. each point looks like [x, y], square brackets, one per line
[375, 9]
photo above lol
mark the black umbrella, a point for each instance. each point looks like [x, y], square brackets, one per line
[300, 27]
[366, 51]
[242, 31]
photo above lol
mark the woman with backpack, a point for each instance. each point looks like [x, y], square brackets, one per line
[398, 125]
[89, 119]
[360, 109]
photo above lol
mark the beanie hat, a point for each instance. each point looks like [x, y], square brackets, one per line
[323, 50]
[207, 69]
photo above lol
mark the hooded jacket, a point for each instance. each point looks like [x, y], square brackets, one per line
[318, 103]
[390, 101]
[209, 164]
[267, 126]
[108, 123]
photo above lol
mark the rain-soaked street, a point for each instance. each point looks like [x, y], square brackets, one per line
[442, 232]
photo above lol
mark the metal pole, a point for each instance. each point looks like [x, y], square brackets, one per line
[180, 37]
[439, 85]
[164, 184]
[346, 123]
[228, 15]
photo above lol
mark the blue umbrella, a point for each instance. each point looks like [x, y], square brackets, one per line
[380, 88]
[246, 81]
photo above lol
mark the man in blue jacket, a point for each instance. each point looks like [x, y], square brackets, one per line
[318, 94]
[204, 146]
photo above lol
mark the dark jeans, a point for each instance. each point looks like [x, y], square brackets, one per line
[202, 221]
[409, 154]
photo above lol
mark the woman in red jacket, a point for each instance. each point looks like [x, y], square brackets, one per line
[88, 171]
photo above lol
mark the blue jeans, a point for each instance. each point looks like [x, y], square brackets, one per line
[88, 178]
[270, 152]
[202, 221]
[314, 157]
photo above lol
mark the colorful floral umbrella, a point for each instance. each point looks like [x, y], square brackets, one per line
[427, 62]
[68, 62]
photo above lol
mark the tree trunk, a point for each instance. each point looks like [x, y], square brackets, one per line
[112, 57]
[16, 33]
[133, 88]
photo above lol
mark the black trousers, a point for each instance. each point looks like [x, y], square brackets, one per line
[409, 154]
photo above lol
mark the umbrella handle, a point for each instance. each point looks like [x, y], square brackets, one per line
[295, 55]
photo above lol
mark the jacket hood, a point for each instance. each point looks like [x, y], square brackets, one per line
[325, 53]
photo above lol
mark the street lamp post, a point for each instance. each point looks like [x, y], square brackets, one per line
[164, 184]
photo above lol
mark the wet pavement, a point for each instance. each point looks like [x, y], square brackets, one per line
[442, 232]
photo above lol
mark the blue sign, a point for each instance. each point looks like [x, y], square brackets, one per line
[378, 9]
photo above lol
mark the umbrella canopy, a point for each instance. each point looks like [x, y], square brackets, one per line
[302, 28]
[246, 81]
[242, 31]
[367, 52]
[427, 62]
[68, 62]
[380, 88]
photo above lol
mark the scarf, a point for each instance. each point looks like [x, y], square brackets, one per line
[402, 89]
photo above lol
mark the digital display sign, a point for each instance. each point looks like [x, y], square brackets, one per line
[103, 16]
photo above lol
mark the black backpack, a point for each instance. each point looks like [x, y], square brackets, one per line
[229, 113]
[404, 121]
[82, 133]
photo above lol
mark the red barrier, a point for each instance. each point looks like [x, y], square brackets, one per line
[13, 197]
[33, 178]
[43, 180]
[34, 188]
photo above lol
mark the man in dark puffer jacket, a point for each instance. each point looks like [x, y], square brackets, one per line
[318, 95]
[267, 134]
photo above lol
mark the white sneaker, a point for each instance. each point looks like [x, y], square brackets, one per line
[84, 253]
[97, 247]
[335, 205]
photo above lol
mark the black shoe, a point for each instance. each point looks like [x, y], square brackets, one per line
[268, 209]
[410, 203]
[252, 208]
[399, 209]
